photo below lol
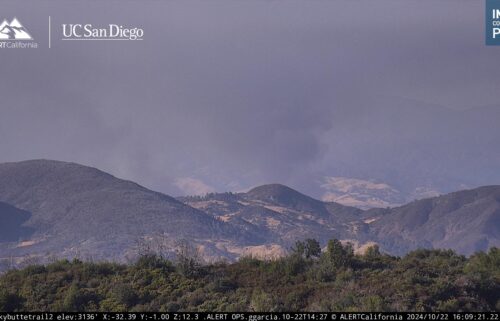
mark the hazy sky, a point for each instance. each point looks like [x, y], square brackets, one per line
[225, 95]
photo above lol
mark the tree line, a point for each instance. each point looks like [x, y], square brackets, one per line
[308, 279]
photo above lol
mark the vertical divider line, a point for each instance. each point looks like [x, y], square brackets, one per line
[49, 34]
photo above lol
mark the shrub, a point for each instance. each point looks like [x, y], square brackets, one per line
[77, 299]
[126, 295]
[10, 302]
[153, 261]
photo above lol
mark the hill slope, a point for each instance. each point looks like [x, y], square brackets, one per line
[282, 214]
[466, 221]
[52, 208]
[78, 210]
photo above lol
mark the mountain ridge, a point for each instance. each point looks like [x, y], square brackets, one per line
[81, 209]
[74, 210]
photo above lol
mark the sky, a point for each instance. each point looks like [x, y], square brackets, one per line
[226, 95]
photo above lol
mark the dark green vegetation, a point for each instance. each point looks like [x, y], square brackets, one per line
[306, 280]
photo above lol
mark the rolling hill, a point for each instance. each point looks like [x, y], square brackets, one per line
[282, 214]
[52, 208]
[466, 221]
[73, 210]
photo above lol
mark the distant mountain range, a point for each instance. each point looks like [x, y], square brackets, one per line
[57, 209]
[367, 194]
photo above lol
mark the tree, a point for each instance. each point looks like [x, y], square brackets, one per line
[338, 254]
[307, 249]
[484, 270]
[74, 300]
[299, 248]
[312, 248]
[188, 259]
[373, 251]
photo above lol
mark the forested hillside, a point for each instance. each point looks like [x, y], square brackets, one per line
[307, 280]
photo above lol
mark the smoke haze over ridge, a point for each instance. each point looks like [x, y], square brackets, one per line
[225, 95]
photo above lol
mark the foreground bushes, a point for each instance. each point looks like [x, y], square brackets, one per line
[307, 280]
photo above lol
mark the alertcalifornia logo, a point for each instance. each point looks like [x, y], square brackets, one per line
[13, 31]
[14, 35]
